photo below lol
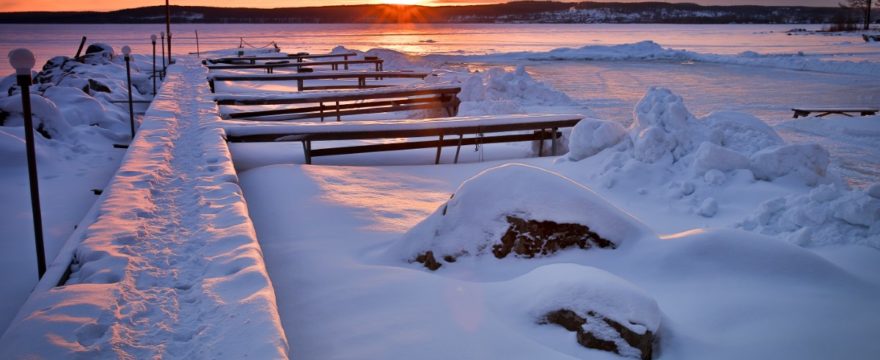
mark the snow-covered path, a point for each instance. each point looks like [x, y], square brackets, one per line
[167, 264]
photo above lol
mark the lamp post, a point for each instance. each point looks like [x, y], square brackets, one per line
[162, 34]
[168, 28]
[127, 52]
[153, 39]
[22, 60]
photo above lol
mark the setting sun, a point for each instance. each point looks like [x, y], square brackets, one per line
[404, 2]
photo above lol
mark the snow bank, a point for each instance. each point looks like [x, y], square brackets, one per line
[827, 215]
[649, 51]
[169, 264]
[664, 126]
[477, 215]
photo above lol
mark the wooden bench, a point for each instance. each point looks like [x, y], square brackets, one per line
[300, 78]
[271, 66]
[798, 112]
[344, 103]
[456, 132]
[299, 57]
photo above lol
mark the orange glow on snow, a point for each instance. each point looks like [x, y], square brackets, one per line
[387, 201]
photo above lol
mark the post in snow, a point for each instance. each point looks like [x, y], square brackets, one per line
[22, 60]
[168, 28]
[126, 51]
[162, 76]
[153, 39]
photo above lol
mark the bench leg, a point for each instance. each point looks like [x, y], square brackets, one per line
[338, 115]
[345, 58]
[299, 85]
[322, 111]
[553, 141]
[458, 149]
[439, 149]
[541, 143]
[307, 151]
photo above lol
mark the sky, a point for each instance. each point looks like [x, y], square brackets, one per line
[102, 5]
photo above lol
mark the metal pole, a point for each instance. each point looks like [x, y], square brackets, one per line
[153, 39]
[198, 52]
[23, 61]
[80, 49]
[127, 51]
[162, 76]
[168, 28]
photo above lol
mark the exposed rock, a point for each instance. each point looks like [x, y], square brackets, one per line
[99, 87]
[593, 332]
[529, 238]
[427, 259]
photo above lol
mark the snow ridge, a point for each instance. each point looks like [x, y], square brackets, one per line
[186, 277]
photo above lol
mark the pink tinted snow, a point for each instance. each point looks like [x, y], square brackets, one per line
[170, 265]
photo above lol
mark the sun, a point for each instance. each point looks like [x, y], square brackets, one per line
[403, 2]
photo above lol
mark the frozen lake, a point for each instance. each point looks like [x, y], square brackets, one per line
[609, 88]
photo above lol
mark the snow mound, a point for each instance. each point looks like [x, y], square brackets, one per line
[590, 136]
[47, 118]
[713, 157]
[827, 215]
[808, 162]
[591, 294]
[477, 215]
[664, 126]
[637, 51]
[740, 132]
[496, 92]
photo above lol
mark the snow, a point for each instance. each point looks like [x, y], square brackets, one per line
[764, 250]
[168, 263]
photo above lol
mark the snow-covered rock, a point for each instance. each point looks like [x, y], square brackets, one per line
[497, 91]
[808, 162]
[47, 118]
[590, 136]
[740, 132]
[615, 311]
[478, 216]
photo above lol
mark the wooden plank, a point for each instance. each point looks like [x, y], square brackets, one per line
[281, 57]
[338, 96]
[325, 75]
[319, 111]
[295, 65]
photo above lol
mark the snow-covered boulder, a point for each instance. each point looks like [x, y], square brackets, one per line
[607, 312]
[79, 107]
[497, 91]
[521, 210]
[590, 136]
[48, 120]
[664, 125]
[808, 162]
[740, 132]
[713, 157]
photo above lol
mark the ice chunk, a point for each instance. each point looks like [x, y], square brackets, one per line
[808, 162]
[740, 132]
[589, 137]
[710, 156]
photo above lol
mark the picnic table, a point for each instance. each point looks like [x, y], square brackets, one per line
[271, 66]
[343, 102]
[299, 57]
[300, 78]
[457, 131]
[798, 112]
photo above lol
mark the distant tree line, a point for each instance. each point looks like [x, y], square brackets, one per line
[523, 11]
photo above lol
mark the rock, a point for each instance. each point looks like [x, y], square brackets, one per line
[429, 261]
[95, 85]
[530, 238]
[600, 333]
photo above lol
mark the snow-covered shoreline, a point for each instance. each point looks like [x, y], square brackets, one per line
[170, 265]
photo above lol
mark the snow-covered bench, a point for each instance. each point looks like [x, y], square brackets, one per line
[313, 105]
[298, 57]
[270, 66]
[455, 131]
[798, 112]
[300, 78]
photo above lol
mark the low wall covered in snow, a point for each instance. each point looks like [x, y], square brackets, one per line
[167, 263]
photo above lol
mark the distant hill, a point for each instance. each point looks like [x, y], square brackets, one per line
[513, 12]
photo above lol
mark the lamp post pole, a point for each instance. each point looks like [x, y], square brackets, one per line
[22, 60]
[127, 52]
[168, 28]
[162, 34]
[153, 39]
